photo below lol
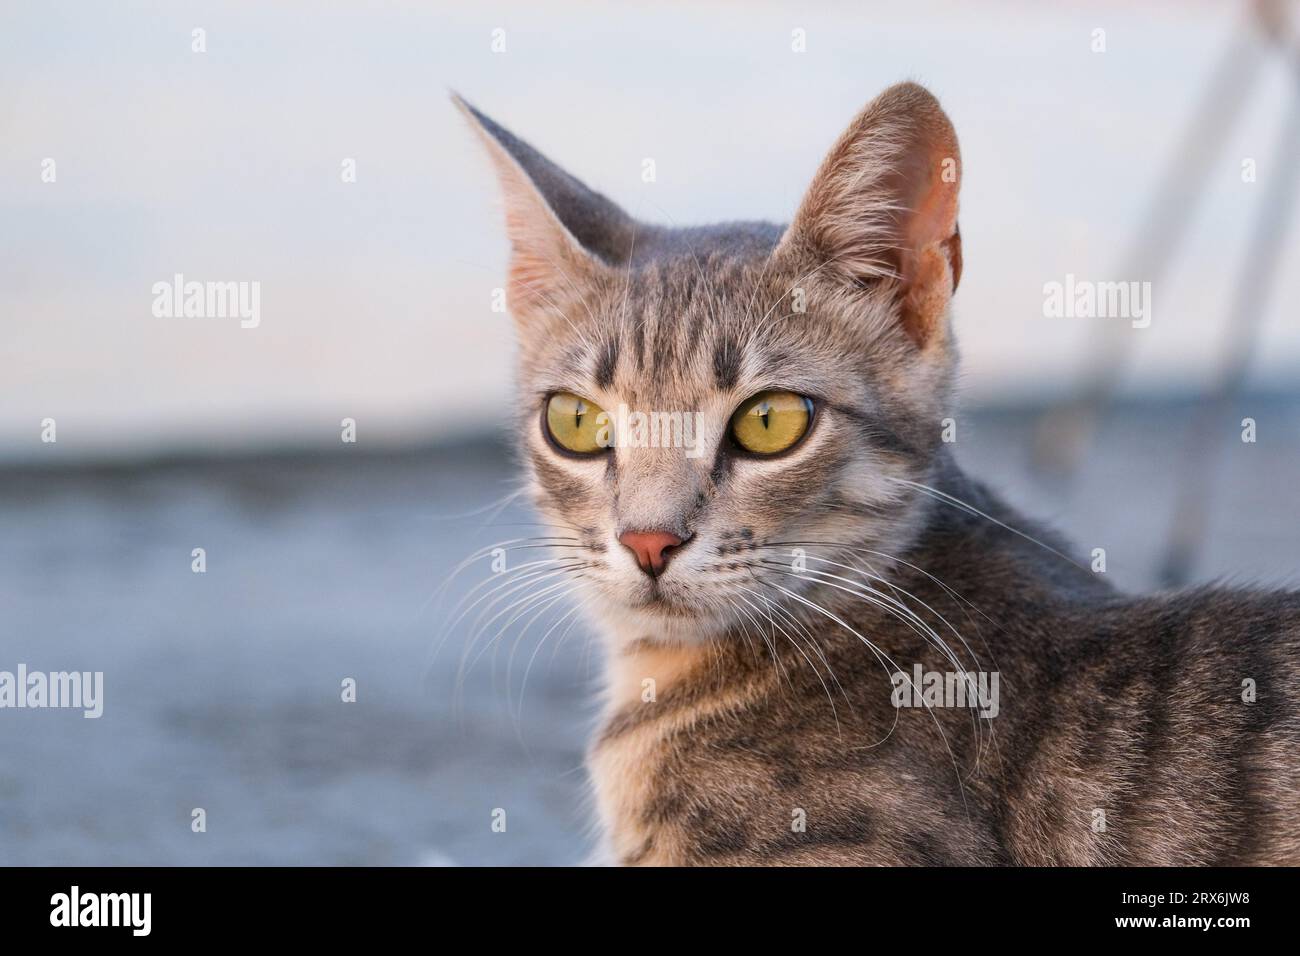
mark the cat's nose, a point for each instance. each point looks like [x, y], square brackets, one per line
[650, 549]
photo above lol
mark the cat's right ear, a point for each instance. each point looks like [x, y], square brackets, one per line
[562, 234]
[883, 208]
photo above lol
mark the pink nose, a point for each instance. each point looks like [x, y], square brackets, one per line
[650, 548]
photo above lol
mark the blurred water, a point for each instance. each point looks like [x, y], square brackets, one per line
[222, 690]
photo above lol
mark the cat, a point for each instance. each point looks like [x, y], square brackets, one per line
[793, 607]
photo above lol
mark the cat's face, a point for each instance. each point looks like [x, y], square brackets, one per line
[701, 411]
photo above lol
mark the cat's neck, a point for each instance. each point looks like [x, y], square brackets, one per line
[640, 670]
[979, 543]
[637, 667]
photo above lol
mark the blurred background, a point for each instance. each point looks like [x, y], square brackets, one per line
[312, 148]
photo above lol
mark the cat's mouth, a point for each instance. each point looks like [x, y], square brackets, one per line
[660, 598]
[656, 598]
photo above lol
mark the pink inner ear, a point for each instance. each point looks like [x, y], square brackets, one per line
[933, 204]
[528, 271]
[884, 201]
[930, 260]
[952, 245]
[529, 282]
[544, 259]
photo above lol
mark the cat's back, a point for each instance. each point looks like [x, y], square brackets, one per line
[1162, 729]
[1154, 729]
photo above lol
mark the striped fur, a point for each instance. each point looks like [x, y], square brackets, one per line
[749, 716]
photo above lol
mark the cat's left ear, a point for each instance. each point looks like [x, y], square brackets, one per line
[562, 234]
[883, 207]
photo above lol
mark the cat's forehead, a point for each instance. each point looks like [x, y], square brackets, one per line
[672, 312]
[697, 326]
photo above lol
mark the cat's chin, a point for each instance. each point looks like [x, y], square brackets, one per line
[660, 618]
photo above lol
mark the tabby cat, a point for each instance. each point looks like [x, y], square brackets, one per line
[825, 644]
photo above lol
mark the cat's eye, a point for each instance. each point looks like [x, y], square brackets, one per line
[577, 425]
[771, 422]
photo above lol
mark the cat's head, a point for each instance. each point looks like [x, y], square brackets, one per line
[767, 393]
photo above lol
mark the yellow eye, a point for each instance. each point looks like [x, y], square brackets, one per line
[771, 422]
[577, 424]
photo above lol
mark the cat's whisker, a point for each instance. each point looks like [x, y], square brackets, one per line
[877, 599]
[480, 624]
[543, 606]
[499, 579]
[809, 639]
[902, 613]
[549, 525]
[945, 498]
[804, 655]
[771, 647]
[886, 663]
[500, 504]
[899, 589]
[951, 592]
[731, 609]
[571, 616]
[486, 551]
[503, 591]
[564, 635]
[895, 587]
[896, 609]
[545, 601]
[519, 607]
[873, 575]
[523, 604]
[523, 632]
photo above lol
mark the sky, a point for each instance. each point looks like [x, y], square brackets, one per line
[375, 295]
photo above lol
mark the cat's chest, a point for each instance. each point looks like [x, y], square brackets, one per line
[716, 784]
[647, 760]
[747, 794]
[698, 771]
[627, 773]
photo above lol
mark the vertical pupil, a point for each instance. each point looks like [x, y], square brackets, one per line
[763, 410]
[579, 409]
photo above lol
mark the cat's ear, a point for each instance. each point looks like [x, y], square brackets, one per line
[562, 234]
[883, 206]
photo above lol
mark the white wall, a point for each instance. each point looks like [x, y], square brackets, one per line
[225, 165]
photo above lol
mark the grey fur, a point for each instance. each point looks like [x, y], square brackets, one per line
[1128, 706]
